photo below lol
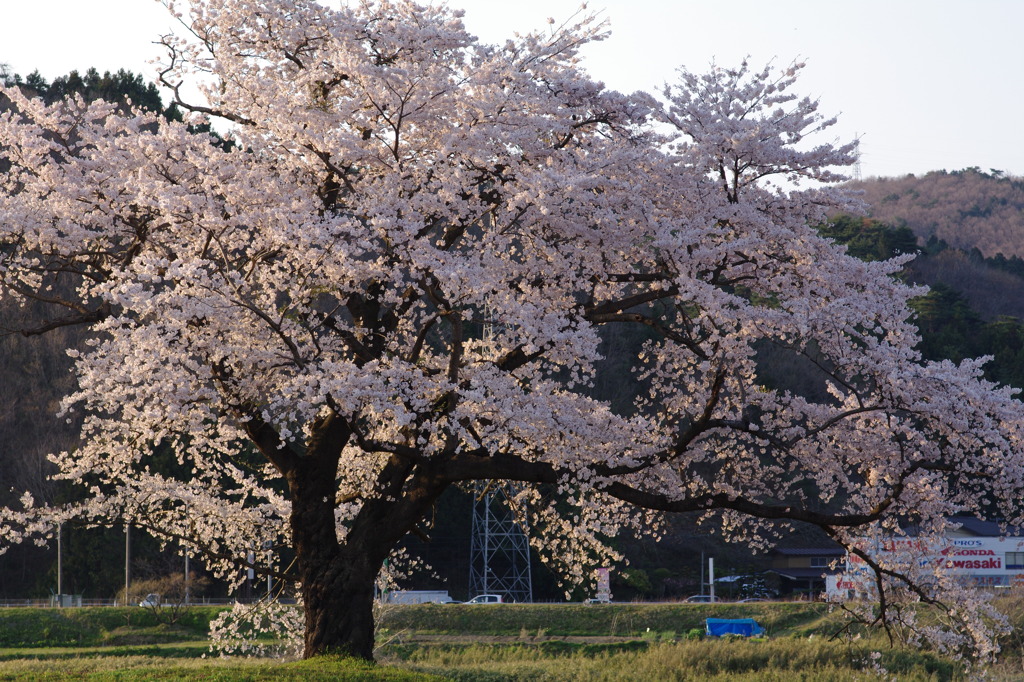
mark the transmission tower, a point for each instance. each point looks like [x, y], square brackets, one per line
[499, 551]
[499, 561]
[856, 165]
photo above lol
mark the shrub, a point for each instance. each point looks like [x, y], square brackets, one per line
[173, 596]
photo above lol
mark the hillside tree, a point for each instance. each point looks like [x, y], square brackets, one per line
[395, 281]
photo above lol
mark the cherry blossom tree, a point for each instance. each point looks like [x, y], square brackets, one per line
[398, 276]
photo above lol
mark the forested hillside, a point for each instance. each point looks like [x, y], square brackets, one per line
[35, 374]
[968, 228]
[975, 305]
[967, 209]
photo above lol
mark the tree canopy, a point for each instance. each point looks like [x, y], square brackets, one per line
[399, 277]
[121, 87]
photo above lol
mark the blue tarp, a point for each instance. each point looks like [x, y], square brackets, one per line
[747, 627]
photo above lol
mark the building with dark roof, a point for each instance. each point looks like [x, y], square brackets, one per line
[802, 570]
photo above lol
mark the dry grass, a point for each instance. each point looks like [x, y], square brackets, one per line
[733, 660]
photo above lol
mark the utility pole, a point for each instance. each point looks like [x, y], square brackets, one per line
[186, 577]
[711, 577]
[60, 566]
[127, 563]
[269, 547]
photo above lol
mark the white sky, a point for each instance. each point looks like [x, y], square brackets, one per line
[926, 84]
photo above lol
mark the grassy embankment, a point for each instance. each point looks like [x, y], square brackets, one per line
[639, 642]
[506, 642]
[132, 644]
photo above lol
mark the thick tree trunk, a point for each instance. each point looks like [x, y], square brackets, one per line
[338, 601]
[338, 576]
[337, 584]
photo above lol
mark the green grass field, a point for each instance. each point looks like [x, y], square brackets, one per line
[461, 642]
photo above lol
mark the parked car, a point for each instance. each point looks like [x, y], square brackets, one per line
[151, 601]
[701, 599]
[486, 599]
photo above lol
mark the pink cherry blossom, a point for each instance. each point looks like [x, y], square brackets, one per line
[399, 275]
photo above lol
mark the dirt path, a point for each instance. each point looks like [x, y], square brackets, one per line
[512, 639]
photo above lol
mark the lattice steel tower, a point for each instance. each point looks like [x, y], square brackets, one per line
[856, 165]
[499, 555]
[499, 551]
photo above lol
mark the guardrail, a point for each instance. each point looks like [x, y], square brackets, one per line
[49, 603]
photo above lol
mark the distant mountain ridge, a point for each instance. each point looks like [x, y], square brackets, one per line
[967, 208]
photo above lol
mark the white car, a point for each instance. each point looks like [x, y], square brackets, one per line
[486, 599]
[151, 601]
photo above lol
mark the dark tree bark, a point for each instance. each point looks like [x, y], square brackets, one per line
[337, 586]
[338, 602]
[337, 576]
